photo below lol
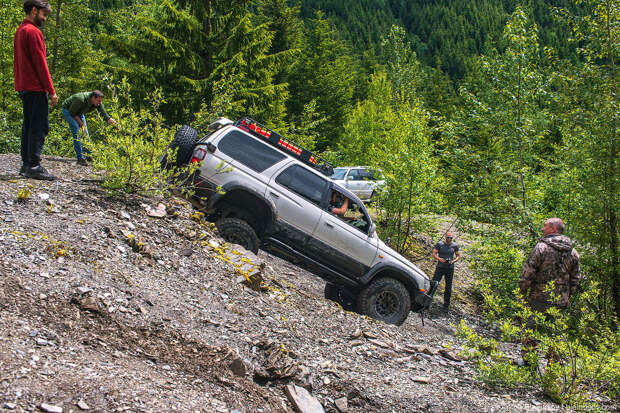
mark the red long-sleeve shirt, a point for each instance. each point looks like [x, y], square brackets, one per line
[29, 63]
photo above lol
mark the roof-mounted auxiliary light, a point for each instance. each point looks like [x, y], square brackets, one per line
[285, 145]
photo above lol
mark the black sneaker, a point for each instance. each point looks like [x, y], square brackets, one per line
[82, 162]
[39, 172]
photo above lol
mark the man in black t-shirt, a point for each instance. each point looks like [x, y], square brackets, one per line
[446, 253]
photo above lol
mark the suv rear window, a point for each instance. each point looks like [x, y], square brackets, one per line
[304, 183]
[249, 151]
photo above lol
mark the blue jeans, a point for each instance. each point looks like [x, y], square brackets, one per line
[75, 130]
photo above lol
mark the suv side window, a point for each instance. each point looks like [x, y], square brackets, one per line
[249, 151]
[366, 175]
[354, 174]
[304, 183]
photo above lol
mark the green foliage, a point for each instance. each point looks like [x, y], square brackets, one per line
[187, 50]
[306, 133]
[10, 135]
[493, 365]
[494, 136]
[129, 152]
[323, 74]
[588, 161]
[391, 134]
[72, 60]
[11, 14]
[571, 371]
[403, 67]
[496, 259]
[579, 345]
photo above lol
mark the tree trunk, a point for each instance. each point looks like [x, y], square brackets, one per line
[404, 243]
[206, 28]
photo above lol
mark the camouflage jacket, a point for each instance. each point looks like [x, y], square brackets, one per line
[552, 259]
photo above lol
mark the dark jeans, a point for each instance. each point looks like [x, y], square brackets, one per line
[35, 127]
[449, 274]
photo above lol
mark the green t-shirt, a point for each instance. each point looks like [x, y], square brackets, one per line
[79, 104]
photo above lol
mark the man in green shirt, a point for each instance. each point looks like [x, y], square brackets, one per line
[74, 109]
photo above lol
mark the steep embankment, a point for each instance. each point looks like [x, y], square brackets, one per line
[104, 307]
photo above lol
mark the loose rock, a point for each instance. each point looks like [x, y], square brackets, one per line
[50, 408]
[303, 401]
[342, 404]
[238, 367]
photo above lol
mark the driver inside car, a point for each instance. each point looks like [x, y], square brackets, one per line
[338, 204]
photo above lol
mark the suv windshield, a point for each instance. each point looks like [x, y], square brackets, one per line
[339, 173]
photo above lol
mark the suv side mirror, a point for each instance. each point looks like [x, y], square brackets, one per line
[348, 178]
[372, 229]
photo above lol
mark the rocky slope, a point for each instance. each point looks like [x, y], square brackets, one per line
[105, 308]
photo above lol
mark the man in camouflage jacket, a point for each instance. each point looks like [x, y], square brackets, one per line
[552, 259]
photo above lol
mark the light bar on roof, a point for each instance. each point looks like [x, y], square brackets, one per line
[285, 145]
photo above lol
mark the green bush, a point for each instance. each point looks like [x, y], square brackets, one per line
[59, 141]
[129, 152]
[10, 135]
[580, 346]
[571, 371]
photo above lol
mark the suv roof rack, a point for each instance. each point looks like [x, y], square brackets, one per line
[285, 145]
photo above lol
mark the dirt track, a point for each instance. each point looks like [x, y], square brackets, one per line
[87, 315]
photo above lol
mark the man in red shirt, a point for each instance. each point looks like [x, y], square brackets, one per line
[34, 84]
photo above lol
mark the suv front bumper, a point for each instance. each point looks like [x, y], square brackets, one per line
[425, 300]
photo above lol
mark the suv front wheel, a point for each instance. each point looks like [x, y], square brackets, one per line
[385, 299]
[237, 231]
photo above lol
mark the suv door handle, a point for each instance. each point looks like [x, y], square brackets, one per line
[329, 225]
[273, 194]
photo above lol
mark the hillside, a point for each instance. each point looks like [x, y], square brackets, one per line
[445, 35]
[107, 308]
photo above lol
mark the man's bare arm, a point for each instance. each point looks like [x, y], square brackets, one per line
[437, 257]
[457, 254]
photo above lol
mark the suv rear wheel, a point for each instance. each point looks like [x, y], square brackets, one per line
[341, 295]
[385, 299]
[237, 231]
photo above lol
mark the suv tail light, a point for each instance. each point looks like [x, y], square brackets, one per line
[199, 155]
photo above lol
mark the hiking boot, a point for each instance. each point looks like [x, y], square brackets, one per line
[82, 162]
[39, 172]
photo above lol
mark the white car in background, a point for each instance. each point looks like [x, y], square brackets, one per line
[363, 181]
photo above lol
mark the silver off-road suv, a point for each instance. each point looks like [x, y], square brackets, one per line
[264, 191]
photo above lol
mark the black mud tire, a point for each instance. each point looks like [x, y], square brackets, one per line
[385, 299]
[237, 231]
[184, 140]
[341, 295]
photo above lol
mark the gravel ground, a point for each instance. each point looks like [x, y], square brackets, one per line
[104, 308]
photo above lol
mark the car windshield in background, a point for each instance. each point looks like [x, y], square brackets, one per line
[339, 173]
